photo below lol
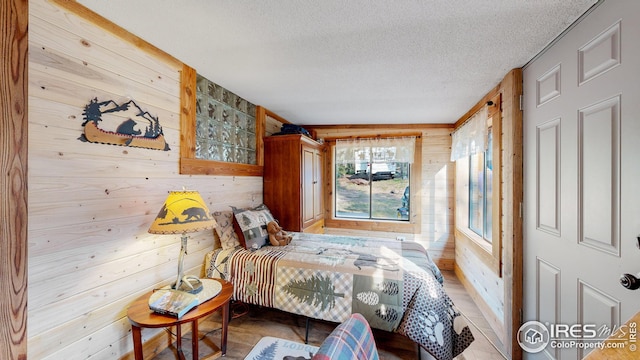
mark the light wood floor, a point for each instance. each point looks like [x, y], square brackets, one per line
[245, 331]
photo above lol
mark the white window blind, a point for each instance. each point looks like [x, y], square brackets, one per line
[470, 138]
[398, 149]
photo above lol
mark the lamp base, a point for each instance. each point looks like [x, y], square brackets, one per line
[190, 284]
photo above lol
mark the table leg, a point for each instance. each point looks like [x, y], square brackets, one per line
[179, 341]
[225, 323]
[194, 339]
[137, 342]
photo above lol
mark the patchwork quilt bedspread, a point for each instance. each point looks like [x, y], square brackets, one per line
[394, 284]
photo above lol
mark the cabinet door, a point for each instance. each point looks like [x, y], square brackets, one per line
[318, 211]
[308, 159]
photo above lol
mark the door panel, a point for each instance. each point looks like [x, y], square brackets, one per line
[548, 180]
[596, 307]
[318, 210]
[581, 170]
[307, 185]
[548, 295]
[600, 54]
[599, 174]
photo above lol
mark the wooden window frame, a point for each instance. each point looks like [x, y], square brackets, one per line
[189, 164]
[409, 227]
[490, 253]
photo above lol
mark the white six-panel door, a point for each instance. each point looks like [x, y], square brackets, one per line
[582, 175]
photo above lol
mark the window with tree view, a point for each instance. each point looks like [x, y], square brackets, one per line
[373, 177]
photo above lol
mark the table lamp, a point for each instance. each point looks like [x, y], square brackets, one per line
[183, 212]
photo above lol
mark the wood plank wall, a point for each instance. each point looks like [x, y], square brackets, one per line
[13, 179]
[90, 205]
[436, 191]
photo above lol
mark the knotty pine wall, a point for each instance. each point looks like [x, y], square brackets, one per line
[435, 213]
[90, 205]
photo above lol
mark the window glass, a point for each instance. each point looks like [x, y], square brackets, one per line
[352, 194]
[225, 125]
[372, 187]
[481, 191]
[476, 190]
[488, 193]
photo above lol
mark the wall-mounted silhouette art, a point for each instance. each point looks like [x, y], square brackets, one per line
[125, 125]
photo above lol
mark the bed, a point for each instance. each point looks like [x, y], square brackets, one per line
[394, 284]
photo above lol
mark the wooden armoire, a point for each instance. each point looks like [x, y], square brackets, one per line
[293, 182]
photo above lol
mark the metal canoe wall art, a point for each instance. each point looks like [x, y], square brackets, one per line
[108, 122]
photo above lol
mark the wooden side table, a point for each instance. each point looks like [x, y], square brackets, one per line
[141, 316]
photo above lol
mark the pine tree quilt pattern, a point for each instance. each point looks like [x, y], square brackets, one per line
[393, 284]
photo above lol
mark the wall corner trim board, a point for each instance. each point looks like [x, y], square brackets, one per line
[14, 18]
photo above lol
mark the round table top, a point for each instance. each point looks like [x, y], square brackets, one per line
[140, 315]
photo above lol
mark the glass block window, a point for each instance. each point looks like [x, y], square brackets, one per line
[225, 125]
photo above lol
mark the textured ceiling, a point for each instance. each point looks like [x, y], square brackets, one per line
[351, 61]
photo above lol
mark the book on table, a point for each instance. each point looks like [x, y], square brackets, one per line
[172, 302]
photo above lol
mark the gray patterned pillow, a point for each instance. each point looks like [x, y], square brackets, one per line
[252, 225]
[228, 237]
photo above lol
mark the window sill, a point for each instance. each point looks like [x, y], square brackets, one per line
[373, 225]
[210, 167]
